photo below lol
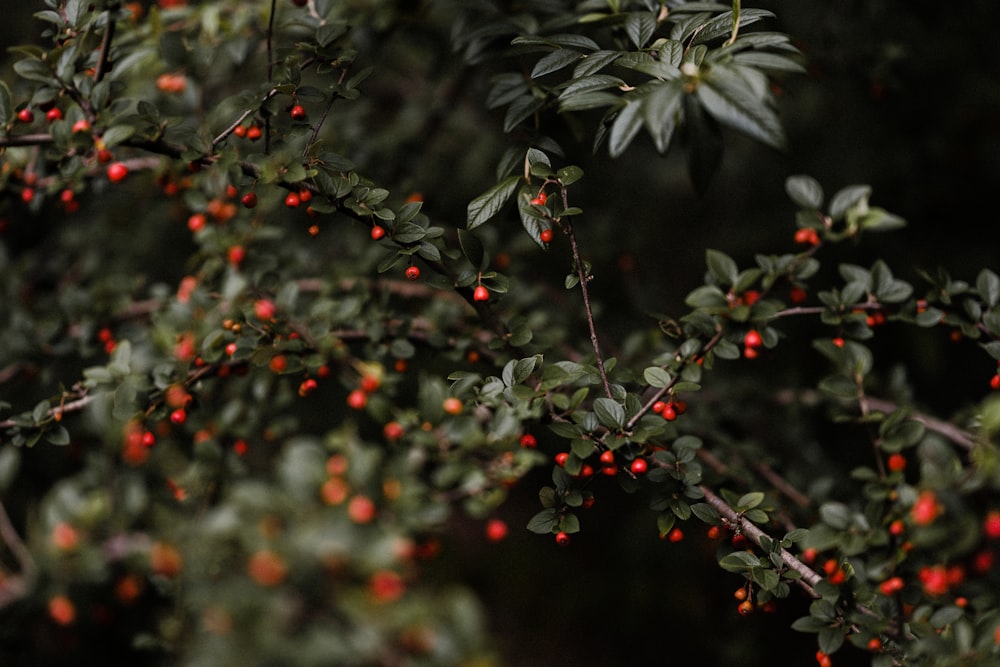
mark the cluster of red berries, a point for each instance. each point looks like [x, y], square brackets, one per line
[251, 132]
[669, 410]
[357, 399]
[752, 342]
[807, 236]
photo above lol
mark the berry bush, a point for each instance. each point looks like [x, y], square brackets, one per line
[312, 307]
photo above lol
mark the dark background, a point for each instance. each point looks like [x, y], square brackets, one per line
[902, 96]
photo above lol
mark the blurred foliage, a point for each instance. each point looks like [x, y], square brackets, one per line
[196, 456]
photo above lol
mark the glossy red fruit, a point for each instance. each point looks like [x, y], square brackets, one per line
[26, 115]
[540, 199]
[378, 232]
[117, 171]
[639, 466]
[545, 235]
[53, 114]
[357, 399]
[562, 539]
[254, 133]
[82, 125]
[292, 200]
[298, 112]
[481, 294]
[250, 199]
[412, 272]
[496, 530]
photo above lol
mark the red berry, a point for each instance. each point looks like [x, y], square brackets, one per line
[235, 255]
[81, 125]
[639, 466]
[278, 363]
[806, 236]
[250, 199]
[393, 431]
[412, 272]
[307, 387]
[240, 131]
[562, 539]
[370, 383]
[669, 412]
[117, 171]
[453, 405]
[26, 115]
[752, 339]
[197, 222]
[378, 231]
[305, 194]
[53, 114]
[178, 416]
[357, 399]
[540, 199]
[991, 525]
[675, 534]
[481, 294]
[897, 462]
[995, 381]
[292, 200]
[745, 608]
[545, 235]
[528, 441]
[253, 133]
[264, 309]
[561, 457]
[27, 194]
[496, 530]
[607, 457]
[297, 112]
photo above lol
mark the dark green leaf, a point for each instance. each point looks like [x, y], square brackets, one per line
[554, 62]
[609, 412]
[488, 204]
[725, 94]
[805, 191]
[625, 126]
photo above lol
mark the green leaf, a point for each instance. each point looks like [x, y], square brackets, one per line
[656, 377]
[6, 105]
[730, 100]
[57, 435]
[473, 249]
[520, 109]
[488, 204]
[660, 112]
[640, 26]
[408, 232]
[847, 198]
[595, 62]
[805, 191]
[625, 126]
[609, 412]
[544, 521]
[721, 266]
[554, 62]
[988, 285]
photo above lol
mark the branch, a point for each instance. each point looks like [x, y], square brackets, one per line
[809, 577]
